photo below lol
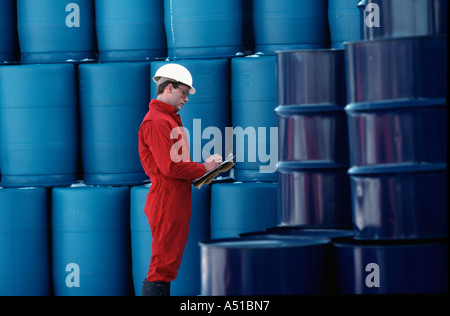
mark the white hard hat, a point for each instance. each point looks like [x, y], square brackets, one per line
[174, 72]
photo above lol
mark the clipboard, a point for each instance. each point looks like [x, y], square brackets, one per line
[208, 177]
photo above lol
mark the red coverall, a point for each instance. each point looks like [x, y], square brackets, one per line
[165, 157]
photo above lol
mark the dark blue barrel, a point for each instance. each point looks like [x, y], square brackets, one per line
[392, 268]
[241, 266]
[253, 101]
[344, 22]
[403, 18]
[203, 28]
[8, 32]
[403, 201]
[242, 207]
[288, 25]
[187, 282]
[39, 125]
[300, 232]
[24, 243]
[52, 32]
[207, 114]
[114, 98]
[130, 30]
[91, 241]
[397, 72]
[313, 194]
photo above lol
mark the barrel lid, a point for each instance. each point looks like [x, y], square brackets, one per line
[309, 165]
[307, 109]
[351, 242]
[394, 104]
[263, 243]
[397, 168]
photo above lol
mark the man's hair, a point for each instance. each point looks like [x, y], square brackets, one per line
[161, 87]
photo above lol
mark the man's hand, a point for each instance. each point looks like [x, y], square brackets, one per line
[212, 162]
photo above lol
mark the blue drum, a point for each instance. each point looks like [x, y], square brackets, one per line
[130, 30]
[259, 266]
[52, 32]
[199, 29]
[344, 21]
[8, 32]
[24, 243]
[91, 241]
[38, 125]
[290, 25]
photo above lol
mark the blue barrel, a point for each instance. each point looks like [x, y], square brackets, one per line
[8, 32]
[397, 72]
[288, 25]
[38, 125]
[403, 201]
[314, 194]
[240, 266]
[392, 268]
[207, 114]
[344, 22]
[253, 101]
[24, 243]
[130, 30]
[242, 207]
[114, 98]
[91, 241]
[187, 282]
[203, 28]
[403, 18]
[51, 32]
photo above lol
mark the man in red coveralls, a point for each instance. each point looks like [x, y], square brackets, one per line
[164, 154]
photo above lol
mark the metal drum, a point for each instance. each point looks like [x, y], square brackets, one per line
[91, 241]
[207, 114]
[253, 101]
[203, 28]
[403, 18]
[287, 25]
[8, 32]
[38, 125]
[130, 30]
[397, 72]
[50, 33]
[242, 207]
[344, 21]
[24, 243]
[314, 194]
[392, 268]
[114, 98]
[253, 266]
[187, 282]
[405, 201]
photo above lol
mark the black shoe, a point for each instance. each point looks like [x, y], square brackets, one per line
[155, 288]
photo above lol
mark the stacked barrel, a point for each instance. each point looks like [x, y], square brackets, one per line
[398, 144]
[324, 140]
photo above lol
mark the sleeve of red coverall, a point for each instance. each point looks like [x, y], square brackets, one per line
[161, 145]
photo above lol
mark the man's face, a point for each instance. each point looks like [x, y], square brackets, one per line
[178, 96]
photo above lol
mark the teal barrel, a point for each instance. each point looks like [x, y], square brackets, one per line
[91, 241]
[24, 243]
[187, 282]
[344, 22]
[52, 32]
[241, 207]
[207, 114]
[8, 32]
[253, 103]
[130, 30]
[203, 28]
[39, 125]
[114, 99]
[290, 25]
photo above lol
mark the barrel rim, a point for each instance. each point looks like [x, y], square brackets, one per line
[243, 243]
[397, 168]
